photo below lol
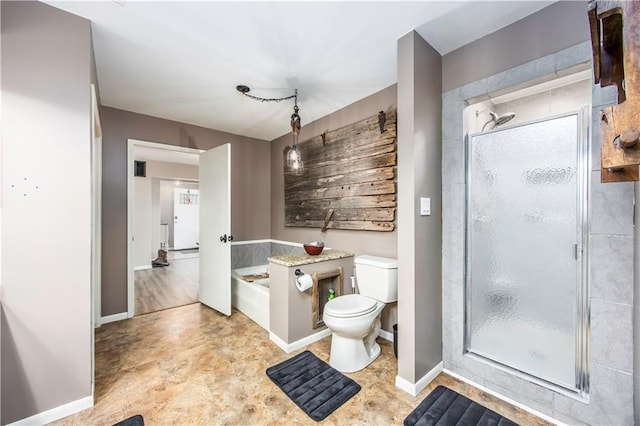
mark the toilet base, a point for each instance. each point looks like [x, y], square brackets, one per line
[350, 355]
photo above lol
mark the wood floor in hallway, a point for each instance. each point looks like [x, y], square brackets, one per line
[167, 286]
[192, 366]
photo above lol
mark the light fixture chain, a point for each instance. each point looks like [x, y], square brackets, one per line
[269, 99]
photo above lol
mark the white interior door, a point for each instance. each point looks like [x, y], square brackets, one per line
[215, 228]
[186, 222]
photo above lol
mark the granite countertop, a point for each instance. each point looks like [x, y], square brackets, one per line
[298, 259]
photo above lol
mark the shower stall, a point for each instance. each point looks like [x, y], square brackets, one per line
[526, 307]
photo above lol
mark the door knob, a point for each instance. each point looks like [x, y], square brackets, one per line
[226, 238]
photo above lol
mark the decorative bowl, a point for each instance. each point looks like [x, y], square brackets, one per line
[313, 248]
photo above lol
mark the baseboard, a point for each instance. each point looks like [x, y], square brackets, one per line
[56, 413]
[113, 318]
[414, 389]
[142, 268]
[290, 347]
[503, 398]
[386, 335]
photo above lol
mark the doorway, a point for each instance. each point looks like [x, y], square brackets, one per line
[214, 201]
[186, 227]
[158, 280]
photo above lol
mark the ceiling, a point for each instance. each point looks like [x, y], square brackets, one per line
[182, 60]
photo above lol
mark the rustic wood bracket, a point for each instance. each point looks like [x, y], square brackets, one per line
[382, 118]
[327, 218]
[615, 41]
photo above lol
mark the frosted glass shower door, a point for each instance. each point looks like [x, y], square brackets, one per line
[524, 236]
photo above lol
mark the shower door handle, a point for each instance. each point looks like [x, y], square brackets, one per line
[575, 251]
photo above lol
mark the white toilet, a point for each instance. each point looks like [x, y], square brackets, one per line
[354, 319]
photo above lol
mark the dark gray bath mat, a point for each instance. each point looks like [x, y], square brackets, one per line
[445, 407]
[136, 420]
[312, 384]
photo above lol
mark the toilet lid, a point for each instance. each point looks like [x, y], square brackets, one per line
[351, 305]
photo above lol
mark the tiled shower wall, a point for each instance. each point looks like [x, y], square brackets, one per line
[610, 258]
[256, 253]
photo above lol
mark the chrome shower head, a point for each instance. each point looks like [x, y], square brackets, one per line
[496, 119]
[504, 118]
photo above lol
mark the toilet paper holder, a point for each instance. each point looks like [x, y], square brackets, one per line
[298, 272]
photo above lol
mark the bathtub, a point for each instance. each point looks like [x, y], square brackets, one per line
[251, 298]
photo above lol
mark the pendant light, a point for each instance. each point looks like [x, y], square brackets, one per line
[293, 159]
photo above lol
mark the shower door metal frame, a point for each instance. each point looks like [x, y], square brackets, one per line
[583, 184]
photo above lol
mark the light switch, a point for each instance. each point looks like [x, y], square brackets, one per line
[425, 206]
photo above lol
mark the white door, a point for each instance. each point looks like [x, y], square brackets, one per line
[215, 228]
[185, 218]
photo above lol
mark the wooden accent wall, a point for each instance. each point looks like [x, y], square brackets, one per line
[351, 170]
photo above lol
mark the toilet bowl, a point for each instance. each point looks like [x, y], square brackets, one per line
[354, 321]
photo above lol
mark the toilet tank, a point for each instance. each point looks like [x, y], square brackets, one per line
[377, 277]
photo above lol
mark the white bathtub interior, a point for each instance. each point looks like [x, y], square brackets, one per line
[251, 298]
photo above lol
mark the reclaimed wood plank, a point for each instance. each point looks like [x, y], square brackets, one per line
[371, 201]
[347, 225]
[376, 214]
[347, 165]
[359, 148]
[365, 129]
[356, 189]
[360, 176]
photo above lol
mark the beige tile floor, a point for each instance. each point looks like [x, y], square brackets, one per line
[190, 365]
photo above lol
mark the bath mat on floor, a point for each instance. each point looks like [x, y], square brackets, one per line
[312, 384]
[444, 406]
[136, 420]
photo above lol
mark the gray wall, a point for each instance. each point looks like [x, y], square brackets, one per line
[250, 187]
[46, 234]
[556, 27]
[358, 242]
[419, 237]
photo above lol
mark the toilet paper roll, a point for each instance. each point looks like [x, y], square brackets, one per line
[304, 282]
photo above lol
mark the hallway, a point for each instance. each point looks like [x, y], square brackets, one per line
[167, 287]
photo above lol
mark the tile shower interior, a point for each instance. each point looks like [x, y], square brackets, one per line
[610, 215]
